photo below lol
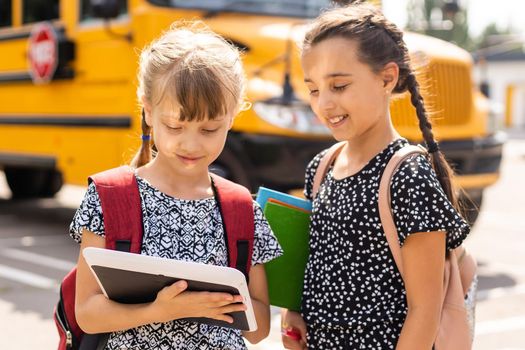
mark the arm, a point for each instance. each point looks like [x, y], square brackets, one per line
[423, 257]
[96, 314]
[259, 294]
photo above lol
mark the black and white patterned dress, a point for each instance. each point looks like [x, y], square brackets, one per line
[189, 230]
[354, 297]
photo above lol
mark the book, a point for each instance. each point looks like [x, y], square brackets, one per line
[134, 278]
[265, 193]
[285, 274]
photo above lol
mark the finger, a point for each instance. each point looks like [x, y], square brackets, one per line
[175, 289]
[223, 317]
[232, 308]
[225, 303]
[213, 298]
[238, 299]
[289, 343]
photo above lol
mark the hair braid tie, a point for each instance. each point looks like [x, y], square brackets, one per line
[146, 137]
[432, 147]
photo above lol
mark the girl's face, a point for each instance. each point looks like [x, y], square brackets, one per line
[345, 94]
[189, 146]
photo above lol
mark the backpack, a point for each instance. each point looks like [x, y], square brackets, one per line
[460, 267]
[119, 197]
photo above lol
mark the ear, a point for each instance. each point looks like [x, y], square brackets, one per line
[390, 76]
[147, 110]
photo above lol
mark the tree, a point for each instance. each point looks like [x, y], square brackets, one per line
[443, 19]
[492, 35]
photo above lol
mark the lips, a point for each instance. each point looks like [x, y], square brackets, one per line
[189, 159]
[337, 120]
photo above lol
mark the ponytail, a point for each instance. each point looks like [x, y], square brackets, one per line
[143, 156]
[443, 170]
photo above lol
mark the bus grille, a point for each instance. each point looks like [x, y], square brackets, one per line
[447, 91]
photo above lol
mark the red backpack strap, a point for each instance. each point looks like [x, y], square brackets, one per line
[236, 207]
[120, 200]
[324, 164]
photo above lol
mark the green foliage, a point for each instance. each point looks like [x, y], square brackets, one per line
[441, 19]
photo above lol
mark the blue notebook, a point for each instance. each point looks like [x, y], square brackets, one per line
[265, 193]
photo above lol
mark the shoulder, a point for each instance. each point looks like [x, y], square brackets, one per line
[414, 171]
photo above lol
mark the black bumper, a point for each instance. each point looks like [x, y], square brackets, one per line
[475, 156]
[279, 162]
[276, 161]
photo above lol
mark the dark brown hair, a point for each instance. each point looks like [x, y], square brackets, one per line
[195, 69]
[381, 42]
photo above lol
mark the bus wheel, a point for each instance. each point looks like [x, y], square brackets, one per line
[33, 182]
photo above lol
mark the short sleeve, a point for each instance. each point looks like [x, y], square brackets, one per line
[311, 169]
[88, 216]
[265, 245]
[419, 203]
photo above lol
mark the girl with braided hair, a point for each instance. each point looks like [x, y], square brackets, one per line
[354, 60]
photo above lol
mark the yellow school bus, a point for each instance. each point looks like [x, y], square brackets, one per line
[68, 80]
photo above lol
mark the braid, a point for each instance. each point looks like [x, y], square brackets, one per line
[439, 163]
[144, 154]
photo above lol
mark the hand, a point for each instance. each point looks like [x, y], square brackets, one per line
[293, 330]
[173, 302]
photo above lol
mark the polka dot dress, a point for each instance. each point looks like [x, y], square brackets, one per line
[354, 297]
[189, 230]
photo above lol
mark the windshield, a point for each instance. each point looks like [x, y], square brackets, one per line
[293, 8]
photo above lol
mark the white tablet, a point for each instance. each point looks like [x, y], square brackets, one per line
[133, 278]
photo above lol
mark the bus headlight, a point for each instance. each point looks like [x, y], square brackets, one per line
[297, 116]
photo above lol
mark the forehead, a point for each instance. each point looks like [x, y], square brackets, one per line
[169, 110]
[334, 55]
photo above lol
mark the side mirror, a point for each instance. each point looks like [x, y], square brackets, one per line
[105, 8]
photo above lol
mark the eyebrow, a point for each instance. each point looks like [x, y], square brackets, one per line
[331, 75]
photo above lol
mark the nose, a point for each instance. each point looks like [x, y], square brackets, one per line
[188, 144]
[325, 101]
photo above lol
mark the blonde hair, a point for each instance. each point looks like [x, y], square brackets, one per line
[195, 68]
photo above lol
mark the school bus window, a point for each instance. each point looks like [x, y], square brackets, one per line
[86, 11]
[294, 8]
[5, 13]
[39, 10]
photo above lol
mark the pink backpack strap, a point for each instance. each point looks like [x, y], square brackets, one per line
[466, 262]
[385, 211]
[236, 207]
[120, 200]
[324, 164]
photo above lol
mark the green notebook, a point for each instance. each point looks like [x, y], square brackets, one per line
[285, 274]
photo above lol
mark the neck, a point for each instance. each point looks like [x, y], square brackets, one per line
[166, 178]
[363, 147]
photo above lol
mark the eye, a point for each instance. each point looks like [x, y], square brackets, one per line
[314, 92]
[210, 131]
[340, 87]
[174, 128]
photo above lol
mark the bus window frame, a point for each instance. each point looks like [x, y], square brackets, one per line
[218, 10]
[11, 16]
[94, 22]
[21, 10]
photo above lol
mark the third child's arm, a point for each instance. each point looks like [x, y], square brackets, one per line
[259, 294]
[96, 314]
[423, 267]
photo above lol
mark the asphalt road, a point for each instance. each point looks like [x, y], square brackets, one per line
[36, 252]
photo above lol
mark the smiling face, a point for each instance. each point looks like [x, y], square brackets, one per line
[346, 94]
[189, 147]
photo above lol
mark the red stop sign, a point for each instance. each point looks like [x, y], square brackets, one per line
[43, 53]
